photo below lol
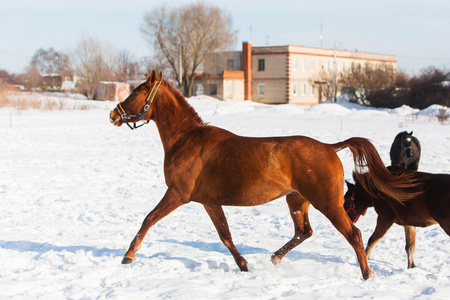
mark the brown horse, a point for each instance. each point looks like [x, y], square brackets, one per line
[215, 167]
[431, 205]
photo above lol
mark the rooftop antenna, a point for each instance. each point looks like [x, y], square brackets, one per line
[267, 39]
[251, 34]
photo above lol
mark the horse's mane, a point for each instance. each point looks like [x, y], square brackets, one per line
[183, 102]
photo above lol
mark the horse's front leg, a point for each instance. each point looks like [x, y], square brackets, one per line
[382, 227]
[410, 236]
[168, 203]
[219, 220]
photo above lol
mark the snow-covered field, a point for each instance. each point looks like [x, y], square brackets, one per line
[74, 190]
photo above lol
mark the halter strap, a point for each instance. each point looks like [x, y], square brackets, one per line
[352, 207]
[152, 94]
[148, 101]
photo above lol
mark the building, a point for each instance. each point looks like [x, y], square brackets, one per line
[113, 91]
[279, 74]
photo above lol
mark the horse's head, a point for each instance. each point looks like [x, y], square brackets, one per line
[137, 106]
[406, 143]
[356, 201]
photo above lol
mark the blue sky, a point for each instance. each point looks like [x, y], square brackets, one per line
[416, 31]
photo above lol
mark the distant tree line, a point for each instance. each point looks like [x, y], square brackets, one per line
[431, 86]
[382, 87]
[181, 38]
[92, 61]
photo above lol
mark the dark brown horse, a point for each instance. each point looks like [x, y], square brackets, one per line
[215, 167]
[431, 205]
[405, 151]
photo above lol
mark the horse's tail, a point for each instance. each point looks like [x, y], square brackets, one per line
[374, 177]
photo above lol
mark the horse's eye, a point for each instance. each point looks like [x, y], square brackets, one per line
[134, 94]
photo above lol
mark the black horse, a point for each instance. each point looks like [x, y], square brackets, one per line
[405, 151]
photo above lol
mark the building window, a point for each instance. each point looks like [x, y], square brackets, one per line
[230, 64]
[199, 90]
[312, 65]
[261, 64]
[261, 89]
[304, 89]
[327, 66]
[304, 64]
[213, 90]
[294, 64]
[343, 67]
[295, 89]
[312, 89]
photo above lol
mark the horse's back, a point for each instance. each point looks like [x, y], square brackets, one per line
[431, 206]
[247, 171]
[438, 197]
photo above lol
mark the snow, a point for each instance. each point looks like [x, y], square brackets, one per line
[74, 190]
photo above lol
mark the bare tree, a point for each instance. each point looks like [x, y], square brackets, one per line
[93, 62]
[324, 81]
[370, 77]
[185, 35]
[126, 67]
[5, 77]
[32, 78]
[50, 61]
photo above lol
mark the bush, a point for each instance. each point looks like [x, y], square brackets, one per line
[418, 91]
[389, 98]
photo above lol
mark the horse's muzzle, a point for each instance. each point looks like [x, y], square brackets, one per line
[115, 118]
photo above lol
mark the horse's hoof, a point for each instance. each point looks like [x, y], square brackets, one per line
[371, 274]
[244, 269]
[126, 261]
[275, 259]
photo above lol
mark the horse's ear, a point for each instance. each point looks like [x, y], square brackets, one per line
[159, 77]
[152, 77]
[349, 184]
[411, 133]
[354, 176]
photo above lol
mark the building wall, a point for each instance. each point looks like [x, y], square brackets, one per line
[290, 74]
[233, 90]
[216, 63]
[290, 71]
[273, 78]
[114, 91]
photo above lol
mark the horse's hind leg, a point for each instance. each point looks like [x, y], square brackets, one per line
[298, 207]
[410, 236]
[168, 203]
[342, 222]
[217, 216]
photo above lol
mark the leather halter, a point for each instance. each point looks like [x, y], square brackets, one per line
[125, 117]
[352, 208]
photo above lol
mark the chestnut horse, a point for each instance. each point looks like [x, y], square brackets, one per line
[215, 167]
[431, 205]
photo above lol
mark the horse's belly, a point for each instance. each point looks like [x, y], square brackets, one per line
[418, 222]
[251, 199]
[247, 195]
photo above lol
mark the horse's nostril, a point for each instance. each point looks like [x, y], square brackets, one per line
[112, 118]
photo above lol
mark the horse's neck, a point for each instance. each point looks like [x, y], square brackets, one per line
[173, 120]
